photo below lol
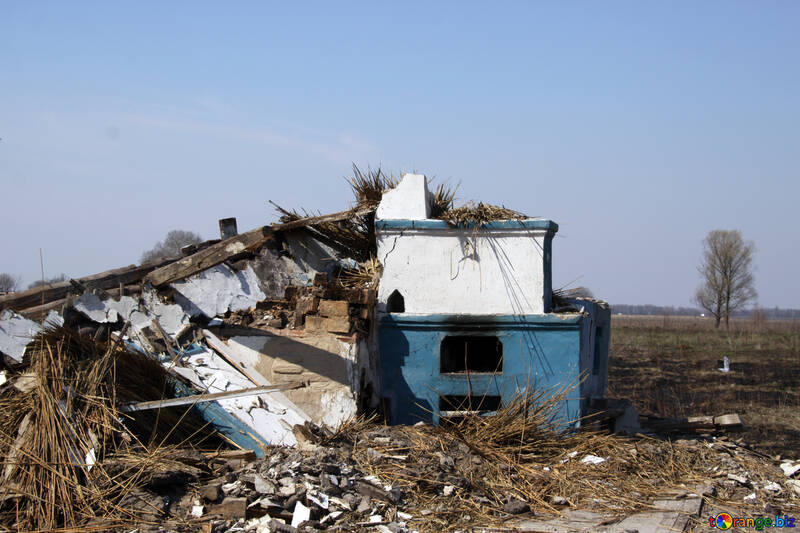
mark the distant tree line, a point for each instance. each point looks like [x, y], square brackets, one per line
[648, 309]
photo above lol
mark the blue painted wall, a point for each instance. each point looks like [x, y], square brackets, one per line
[539, 351]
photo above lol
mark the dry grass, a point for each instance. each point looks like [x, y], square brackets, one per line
[667, 366]
[522, 452]
[49, 434]
[368, 186]
[365, 276]
[442, 199]
[353, 237]
[472, 214]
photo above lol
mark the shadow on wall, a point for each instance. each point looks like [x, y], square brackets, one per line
[401, 405]
[297, 356]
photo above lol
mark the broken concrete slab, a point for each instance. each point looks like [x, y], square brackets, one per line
[16, 332]
[92, 307]
[588, 521]
[265, 414]
[327, 363]
[53, 320]
[171, 317]
[218, 290]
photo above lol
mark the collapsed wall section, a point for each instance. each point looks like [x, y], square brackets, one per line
[503, 267]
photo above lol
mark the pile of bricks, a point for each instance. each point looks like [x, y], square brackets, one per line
[328, 307]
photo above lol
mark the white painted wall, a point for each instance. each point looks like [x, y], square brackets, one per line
[410, 200]
[455, 270]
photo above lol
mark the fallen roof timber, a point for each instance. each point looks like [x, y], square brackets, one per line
[57, 291]
[236, 246]
[199, 398]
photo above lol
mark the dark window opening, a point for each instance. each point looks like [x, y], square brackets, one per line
[597, 344]
[461, 404]
[396, 303]
[470, 354]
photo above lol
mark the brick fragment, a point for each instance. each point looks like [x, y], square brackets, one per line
[338, 325]
[315, 323]
[334, 308]
[233, 508]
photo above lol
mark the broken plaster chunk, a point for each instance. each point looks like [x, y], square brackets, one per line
[53, 319]
[301, 514]
[92, 307]
[16, 332]
[592, 459]
[790, 468]
[217, 290]
[235, 248]
[742, 480]
[171, 317]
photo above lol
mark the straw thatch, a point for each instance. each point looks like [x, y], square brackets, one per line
[368, 187]
[472, 214]
[58, 436]
[525, 452]
[366, 275]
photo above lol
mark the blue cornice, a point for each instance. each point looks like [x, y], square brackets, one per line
[432, 224]
[488, 322]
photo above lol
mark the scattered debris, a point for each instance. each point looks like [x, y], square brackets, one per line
[221, 391]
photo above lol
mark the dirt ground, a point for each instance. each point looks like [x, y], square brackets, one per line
[668, 366]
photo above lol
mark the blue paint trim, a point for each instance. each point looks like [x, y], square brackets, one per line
[540, 351]
[538, 224]
[449, 321]
[234, 429]
[212, 412]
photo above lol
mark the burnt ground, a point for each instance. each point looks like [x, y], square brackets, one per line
[668, 366]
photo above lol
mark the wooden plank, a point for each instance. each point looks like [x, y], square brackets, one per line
[321, 219]
[199, 398]
[230, 249]
[252, 374]
[728, 421]
[57, 291]
[210, 257]
[233, 429]
[224, 351]
[40, 311]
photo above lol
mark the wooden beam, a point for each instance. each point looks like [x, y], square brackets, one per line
[225, 352]
[56, 291]
[40, 311]
[235, 360]
[321, 219]
[197, 398]
[238, 245]
[209, 257]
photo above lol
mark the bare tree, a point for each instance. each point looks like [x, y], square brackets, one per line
[48, 281]
[8, 283]
[171, 245]
[727, 273]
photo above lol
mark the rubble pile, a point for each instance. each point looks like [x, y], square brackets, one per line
[373, 478]
[219, 392]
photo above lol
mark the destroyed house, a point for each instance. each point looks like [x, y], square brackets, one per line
[387, 307]
[466, 319]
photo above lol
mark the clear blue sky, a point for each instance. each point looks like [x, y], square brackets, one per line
[637, 126]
